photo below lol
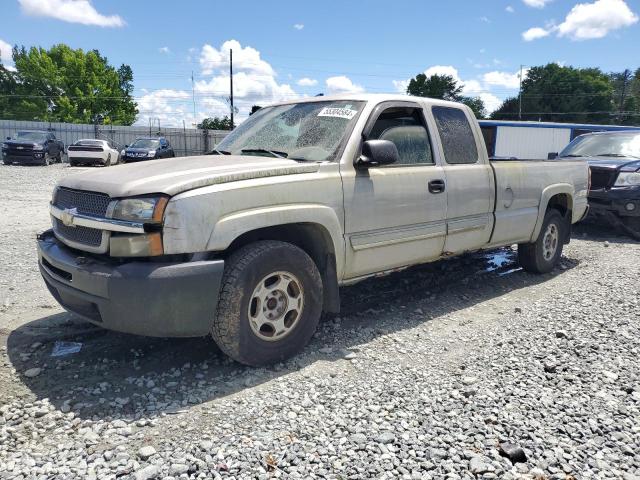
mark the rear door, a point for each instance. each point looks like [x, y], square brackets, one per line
[470, 181]
[392, 219]
[52, 145]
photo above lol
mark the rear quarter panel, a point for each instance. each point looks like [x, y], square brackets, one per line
[523, 190]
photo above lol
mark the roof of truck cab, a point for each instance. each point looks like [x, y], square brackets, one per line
[370, 97]
[533, 124]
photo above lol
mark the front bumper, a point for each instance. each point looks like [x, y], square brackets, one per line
[32, 159]
[143, 298]
[616, 200]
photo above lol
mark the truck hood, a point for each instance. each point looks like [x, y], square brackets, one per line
[20, 143]
[615, 163]
[176, 175]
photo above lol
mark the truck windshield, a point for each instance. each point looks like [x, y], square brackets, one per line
[308, 131]
[30, 136]
[603, 145]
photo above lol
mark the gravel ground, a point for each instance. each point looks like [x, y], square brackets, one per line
[467, 368]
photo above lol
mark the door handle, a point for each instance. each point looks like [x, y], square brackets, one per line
[436, 186]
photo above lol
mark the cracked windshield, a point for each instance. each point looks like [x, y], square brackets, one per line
[310, 132]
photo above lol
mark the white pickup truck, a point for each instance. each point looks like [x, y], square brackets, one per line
[251, 244]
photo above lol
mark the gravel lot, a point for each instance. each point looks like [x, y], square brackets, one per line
[429, 373]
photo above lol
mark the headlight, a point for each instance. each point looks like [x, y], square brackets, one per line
[38, 147]
[152, 153]
[123, 152]
[627, 179]
[144, 209]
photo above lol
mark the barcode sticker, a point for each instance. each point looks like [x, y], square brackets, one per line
[338, 112]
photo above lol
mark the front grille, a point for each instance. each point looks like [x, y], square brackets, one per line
[601, 178]
[87, 203]
[83, 235]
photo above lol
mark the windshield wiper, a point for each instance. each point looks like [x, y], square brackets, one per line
[572, 155]
[219, 152]
[273, 153]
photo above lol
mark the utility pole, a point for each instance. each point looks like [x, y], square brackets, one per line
[193, 96]
[625, 78]
[231, 84]
[520, 96]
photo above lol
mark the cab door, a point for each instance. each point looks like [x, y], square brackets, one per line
[395, 215]
[470, 179]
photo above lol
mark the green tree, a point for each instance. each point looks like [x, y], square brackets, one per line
[444, 87]
[553, 93]
[476, 104]
[66, 85]
[626, 96]
[216, 123]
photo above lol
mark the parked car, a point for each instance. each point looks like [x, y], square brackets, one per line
[147, 149]
[33, 147]
[93, 152]
[614, 160]
[252, 245]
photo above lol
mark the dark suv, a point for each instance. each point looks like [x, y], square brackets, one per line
[614, 161]
[147, 149]
[32, 147]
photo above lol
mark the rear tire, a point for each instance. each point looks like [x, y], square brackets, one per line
[543, 255]
[270, 303]
[108, 162]
[59, 158]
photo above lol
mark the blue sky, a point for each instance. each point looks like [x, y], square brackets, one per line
[283, 49]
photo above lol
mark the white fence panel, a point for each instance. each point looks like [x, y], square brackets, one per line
[185, 141]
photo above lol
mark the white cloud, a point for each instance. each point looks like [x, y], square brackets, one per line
[503, 79]
[5, 52]
[166, 105]
[491, 102]
[595, 20]
[254, 79]
[587, 21]
[485, 20]
[244, 59]
[400, 85]
[307, 82]
[72, 11]
[298, 26]
[164, 50]
[535, 33]
[342, 84]
[510, 9]
[536, 3]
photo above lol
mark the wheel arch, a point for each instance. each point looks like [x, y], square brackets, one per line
[560, 197]
[319, 235]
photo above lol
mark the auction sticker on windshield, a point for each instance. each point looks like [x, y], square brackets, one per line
[338, 112]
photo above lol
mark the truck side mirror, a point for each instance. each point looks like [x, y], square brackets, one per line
[8, 138]
[376, 153]
[552, 155]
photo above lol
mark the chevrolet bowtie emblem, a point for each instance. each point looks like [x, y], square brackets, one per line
[66, 216]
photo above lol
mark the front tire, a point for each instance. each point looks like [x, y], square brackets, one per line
[46, 161]
[270, 303]
[544, 254]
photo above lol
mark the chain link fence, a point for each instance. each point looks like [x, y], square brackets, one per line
[185, 141]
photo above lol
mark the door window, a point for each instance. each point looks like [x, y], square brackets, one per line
[458, 141]
[404, 126]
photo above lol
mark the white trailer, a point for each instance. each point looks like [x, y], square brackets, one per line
[534, 140]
